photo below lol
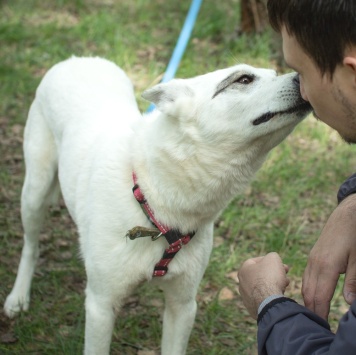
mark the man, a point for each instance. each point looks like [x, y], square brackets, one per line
[319, 42]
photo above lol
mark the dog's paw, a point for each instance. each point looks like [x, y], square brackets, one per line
[15, 304]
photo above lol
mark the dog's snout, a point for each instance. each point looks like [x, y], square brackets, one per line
[296, 80]
[300, 86]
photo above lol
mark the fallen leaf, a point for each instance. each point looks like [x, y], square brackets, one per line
[146, 352]
[218, 240]
[226, 294]
[233, 276]
[8, 338]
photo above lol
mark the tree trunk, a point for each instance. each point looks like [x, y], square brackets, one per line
[254, 19]
[254, 16]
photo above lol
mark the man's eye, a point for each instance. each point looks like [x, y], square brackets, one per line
[245, 79]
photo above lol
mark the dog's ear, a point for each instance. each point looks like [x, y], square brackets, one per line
[165, 96]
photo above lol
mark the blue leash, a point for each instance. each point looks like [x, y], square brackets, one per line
[181, 44]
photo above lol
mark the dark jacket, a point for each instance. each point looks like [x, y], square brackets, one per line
[347, 188]
[287, 328]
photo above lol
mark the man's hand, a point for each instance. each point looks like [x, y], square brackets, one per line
[333, 254]
[261, 277]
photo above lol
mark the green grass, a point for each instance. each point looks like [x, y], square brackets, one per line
[283, 211]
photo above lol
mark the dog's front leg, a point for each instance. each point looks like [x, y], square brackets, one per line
[99, 323]
[179, 316]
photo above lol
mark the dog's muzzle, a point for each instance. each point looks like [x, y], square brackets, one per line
[301, 107]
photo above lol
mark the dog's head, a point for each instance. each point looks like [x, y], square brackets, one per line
[238, 106]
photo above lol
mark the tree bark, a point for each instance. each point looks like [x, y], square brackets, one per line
[254, 19]
[254, 16]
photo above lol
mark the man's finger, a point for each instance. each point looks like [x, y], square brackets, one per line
[350, 281]
[252, 261]
[318, 290]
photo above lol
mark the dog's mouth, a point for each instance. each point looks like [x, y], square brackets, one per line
[303, 107]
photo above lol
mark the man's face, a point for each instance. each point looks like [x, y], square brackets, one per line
[333, 100]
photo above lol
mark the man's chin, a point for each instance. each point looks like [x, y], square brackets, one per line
[315, 115]
[348, 140]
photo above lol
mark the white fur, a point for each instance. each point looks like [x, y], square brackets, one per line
[191, 156]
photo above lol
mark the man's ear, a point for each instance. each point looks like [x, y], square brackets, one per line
[350, 62]
[166, 95]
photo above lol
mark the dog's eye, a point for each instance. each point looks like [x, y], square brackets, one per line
[244, 79]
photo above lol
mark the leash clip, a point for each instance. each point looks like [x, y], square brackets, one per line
[153, 238]
[141, 232]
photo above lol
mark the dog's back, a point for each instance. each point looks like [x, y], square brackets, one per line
[103, 87]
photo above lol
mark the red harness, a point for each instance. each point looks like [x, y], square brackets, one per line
[174, 237]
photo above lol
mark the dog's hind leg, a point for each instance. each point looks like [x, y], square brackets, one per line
[40, 189]
[179, 315]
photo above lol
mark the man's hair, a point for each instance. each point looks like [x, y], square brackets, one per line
[323, 28]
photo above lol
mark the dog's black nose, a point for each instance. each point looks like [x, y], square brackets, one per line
[296, 80]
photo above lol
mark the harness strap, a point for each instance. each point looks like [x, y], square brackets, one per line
[161, 268]
[174, 237]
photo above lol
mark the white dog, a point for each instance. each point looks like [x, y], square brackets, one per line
[86, 137]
